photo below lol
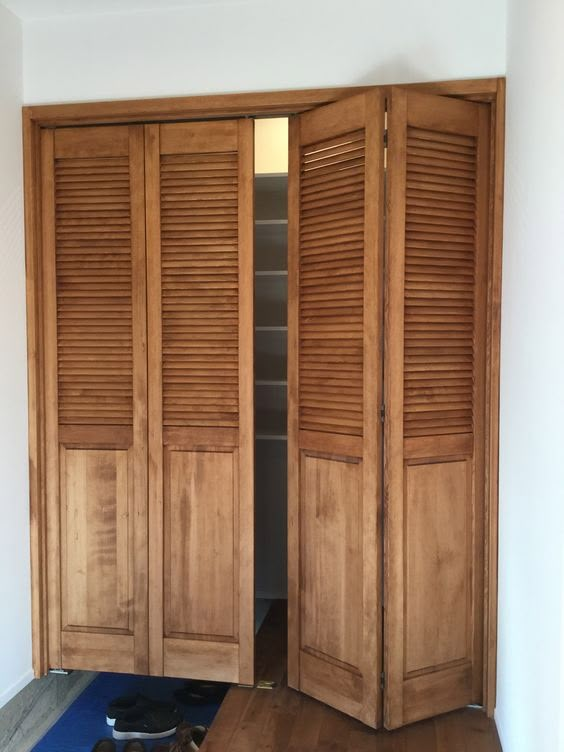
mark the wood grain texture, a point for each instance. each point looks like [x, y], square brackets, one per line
[331, 551]
[488, 90]
[497, 137]
[435, 372]
[96, 535]
[36, 423]
[95, 381]
[282, 720]
[200, 325]
[335, 304]
[199, 589]
[232, 105]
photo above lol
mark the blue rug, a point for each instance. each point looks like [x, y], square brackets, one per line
[84, 722]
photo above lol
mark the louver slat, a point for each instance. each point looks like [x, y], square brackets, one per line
[200, 289]
[439, 287]
[94, 284]
[331, 284]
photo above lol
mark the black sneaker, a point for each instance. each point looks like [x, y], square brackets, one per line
[136, 704]
[153, 724]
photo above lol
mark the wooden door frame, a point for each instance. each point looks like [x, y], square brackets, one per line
[282, 103]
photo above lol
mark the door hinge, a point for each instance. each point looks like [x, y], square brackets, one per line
[265, 684]
[383, 680]
[382, 412]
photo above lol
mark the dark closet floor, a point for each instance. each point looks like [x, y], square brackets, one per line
[282, 720]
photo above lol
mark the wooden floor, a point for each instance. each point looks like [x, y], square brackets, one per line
[282, 720]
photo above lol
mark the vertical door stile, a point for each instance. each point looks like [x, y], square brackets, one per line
[246, 471]
[138, 522]
[154, 411]
[53, 539]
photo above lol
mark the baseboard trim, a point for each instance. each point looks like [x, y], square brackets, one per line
[11, 692]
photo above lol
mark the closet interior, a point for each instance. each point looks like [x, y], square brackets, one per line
[271, 359]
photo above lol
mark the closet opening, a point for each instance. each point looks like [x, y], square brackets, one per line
[271, 383]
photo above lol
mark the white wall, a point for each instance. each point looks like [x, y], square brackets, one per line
[261, 44]
[531, 606]
[15, 638]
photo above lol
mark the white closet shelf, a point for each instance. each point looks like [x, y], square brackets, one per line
[271, 328]
[272, 273]
[271, 437]
[270, 382]
[271, 175]
[265, 222]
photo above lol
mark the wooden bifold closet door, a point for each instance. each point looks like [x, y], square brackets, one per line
[149, 398]
[93, 212]
[334, 395]
[390, 430]
[435, 363]
[147, 354]
[201, 424]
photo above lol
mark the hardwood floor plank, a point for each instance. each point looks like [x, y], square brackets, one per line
[306, 730]
[283, 720]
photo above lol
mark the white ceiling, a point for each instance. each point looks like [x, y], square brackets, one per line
[31, 9]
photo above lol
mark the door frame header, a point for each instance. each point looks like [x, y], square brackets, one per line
[251, 104]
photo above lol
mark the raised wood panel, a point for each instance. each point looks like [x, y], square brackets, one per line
[331, 545]
[199, 659]
[438, 575]
[200, 138]
[200, 527]
[336, 201]
[91, 142]
[438, 173]
[97, 520]
[332, 685]
[99, 652]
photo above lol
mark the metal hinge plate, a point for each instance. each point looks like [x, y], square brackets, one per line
[265, 684]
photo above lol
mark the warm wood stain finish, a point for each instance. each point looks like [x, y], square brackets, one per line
[96, 394]
[435, 397]
[200, 250]
[334, 385]
[121, 437]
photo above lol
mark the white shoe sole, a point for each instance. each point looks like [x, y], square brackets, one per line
[142, 735]
[110, 721]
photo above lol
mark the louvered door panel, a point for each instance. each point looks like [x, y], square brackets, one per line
[200, 228]
[93, 220]
[200, 289]
[335, 304]
[331, 277]
[440, 242]
[435, 375]
[94, 291]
